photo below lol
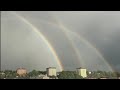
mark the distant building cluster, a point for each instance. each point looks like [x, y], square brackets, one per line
[51, 73]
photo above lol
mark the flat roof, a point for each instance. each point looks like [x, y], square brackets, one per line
[80, 68]
[51, 67]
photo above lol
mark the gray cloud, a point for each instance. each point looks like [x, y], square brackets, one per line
[20, 44]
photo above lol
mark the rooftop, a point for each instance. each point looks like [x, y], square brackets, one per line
[80, 68]
[51, 67]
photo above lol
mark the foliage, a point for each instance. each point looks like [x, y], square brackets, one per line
[69, 75]
[35, 73]
[9, 74]
[103, 74]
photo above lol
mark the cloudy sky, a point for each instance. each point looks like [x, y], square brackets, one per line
[79, 39]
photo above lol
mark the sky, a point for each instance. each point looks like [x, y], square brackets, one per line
[62, 39]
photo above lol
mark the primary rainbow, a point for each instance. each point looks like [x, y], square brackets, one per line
[43, 38]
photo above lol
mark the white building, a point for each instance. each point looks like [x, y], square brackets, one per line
[51, 71]
[82, 72]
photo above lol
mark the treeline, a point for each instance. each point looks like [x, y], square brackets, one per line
[69, 75]
[9, 74]
[93, 74]
[103, 74]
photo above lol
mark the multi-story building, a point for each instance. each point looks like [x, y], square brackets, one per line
[51, 71]
[82, 72]
[21, 71]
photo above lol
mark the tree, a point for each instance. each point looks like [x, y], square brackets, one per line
[117, 74]
[53, 77]
[34, 73]
[69, 75]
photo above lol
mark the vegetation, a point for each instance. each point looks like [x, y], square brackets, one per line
[9, 74]
[35, 73]
[69, 75]
[103, 74]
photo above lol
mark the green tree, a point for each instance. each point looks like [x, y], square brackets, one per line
[33, 73]
[69, 75]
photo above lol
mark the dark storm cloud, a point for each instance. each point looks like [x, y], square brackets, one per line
[101, 29]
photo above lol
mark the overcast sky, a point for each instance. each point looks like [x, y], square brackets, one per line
[74, 42]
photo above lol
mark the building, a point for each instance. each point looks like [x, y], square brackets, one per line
[21, 71]
[46, 77]
[51, 71]
[82, 72]
[43, 77]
